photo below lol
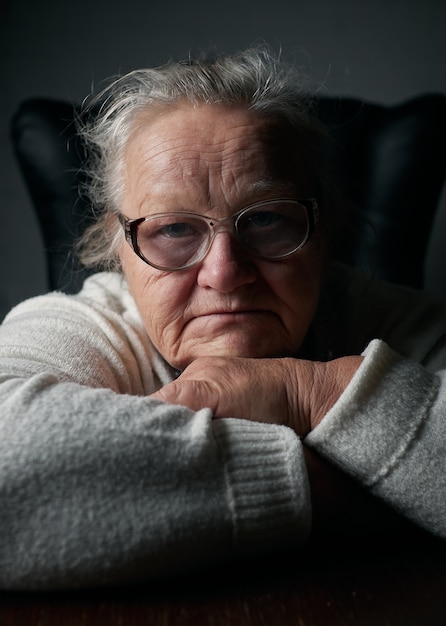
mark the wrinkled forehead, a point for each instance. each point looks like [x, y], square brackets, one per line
[213, 144]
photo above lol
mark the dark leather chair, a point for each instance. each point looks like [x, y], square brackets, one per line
[389, 161]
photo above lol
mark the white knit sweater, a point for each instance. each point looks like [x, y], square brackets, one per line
[99, 484]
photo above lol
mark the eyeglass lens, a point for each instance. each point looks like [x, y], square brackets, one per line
[178, 240]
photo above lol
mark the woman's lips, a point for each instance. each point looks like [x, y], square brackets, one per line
[224, 312]
[233, 316]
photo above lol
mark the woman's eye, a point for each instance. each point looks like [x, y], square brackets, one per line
[176, 230]
[263, 219]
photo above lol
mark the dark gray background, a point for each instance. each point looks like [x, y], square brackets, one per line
[381, 50]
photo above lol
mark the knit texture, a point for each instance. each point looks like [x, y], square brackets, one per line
[100, 484]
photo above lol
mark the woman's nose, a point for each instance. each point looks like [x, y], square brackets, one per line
[226, 266]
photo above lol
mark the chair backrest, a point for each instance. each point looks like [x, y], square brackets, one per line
[389, 161]
[49, 154]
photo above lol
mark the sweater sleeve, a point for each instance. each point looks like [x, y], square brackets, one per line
[388, 431]
[100, 484]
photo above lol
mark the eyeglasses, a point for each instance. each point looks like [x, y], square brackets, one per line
[273, 230]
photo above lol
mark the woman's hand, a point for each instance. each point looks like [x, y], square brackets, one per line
[290, 392]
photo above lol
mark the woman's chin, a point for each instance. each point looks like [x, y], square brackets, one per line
[234, 346]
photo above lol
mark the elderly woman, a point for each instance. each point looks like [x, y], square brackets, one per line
[189, 402]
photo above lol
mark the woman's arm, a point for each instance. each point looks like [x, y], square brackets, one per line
[99, 488]
[100, 484]
[388, 432]
[377, 418]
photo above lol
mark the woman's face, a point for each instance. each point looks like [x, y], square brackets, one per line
[216, 160]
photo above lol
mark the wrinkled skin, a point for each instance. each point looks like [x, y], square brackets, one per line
[215, 161]
[232, 322]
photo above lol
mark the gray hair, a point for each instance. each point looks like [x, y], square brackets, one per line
[256, 79]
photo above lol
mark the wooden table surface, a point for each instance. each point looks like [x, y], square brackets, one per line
[345, 582]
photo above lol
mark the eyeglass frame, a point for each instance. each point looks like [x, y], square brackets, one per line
[130, 227]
